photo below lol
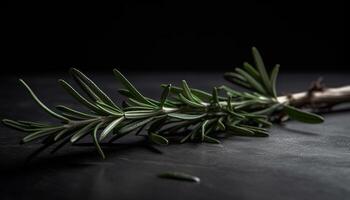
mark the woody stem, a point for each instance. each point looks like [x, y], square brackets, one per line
[322, 98]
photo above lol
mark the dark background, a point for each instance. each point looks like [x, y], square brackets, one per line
[56, 35]
[297, 161]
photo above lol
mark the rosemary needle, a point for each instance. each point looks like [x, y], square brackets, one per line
[179, 176]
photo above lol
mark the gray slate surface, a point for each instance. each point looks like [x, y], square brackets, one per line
[297, 161]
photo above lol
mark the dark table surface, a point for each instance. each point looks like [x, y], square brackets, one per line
[297, 161]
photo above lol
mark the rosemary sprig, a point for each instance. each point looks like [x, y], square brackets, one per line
[181, 114]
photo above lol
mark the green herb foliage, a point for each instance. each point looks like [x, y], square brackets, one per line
[183, 114]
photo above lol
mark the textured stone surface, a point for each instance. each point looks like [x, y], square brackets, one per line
[297, 161]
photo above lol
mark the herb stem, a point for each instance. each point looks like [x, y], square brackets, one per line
[322, 98]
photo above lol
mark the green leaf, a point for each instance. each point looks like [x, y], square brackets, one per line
[43, 106]
[85, 88]
[209, 139]
[109, 111]
[274, 74]
[96, 141]
[137, 108]
[131, 88]
[299, 115]
[264, 122]
[233, 75]
[186, 90]
[179, 176]
[229, 104]
[125, 93]
[155, 103]
[157, 124]
[134, 125]
[131, 97]
[78, 96]
[203, 129]
[60, 134]
[202, 95]
[39, 134]
[109, 107]
[239, 130]
[253, 95]
[246, 103]
[165, 95]
[238, 79]
[110, 127]
[253, 115]
[251, 70]
[139, 130]
[177, 125]
[190, 102]
[27, 123]
[199, 93]
[237, 115]
[138, 114]
[114, 108]
[192, 134]
[188, 94]
[75, 112]
[33, 124]
[137, 103]
[253, 83]
[184, 139]
[220, 124]
[104, 98]
[158, 139]
[215, 95]
[261, 68]
[258, 132]
[82, 132]
[230, 91]
[18, 126]
[186, 116]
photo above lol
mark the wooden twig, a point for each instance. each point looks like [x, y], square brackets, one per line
[318, 98]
